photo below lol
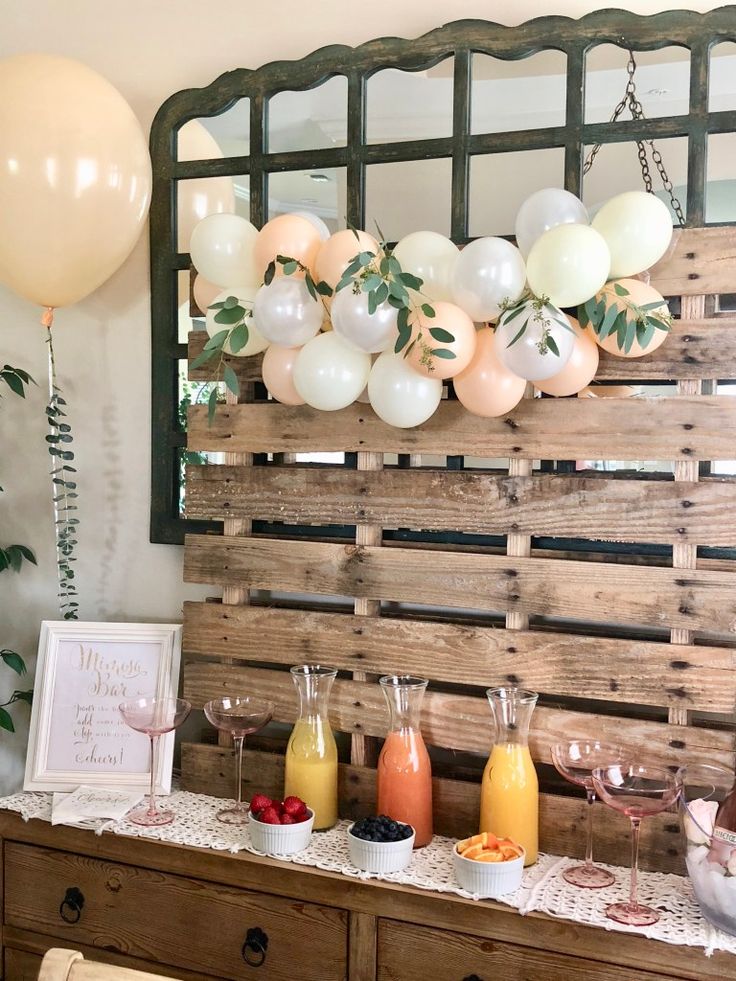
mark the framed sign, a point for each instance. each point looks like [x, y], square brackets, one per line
[84, 671]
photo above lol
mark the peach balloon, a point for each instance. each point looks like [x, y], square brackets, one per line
[639, 294]
[447, 317]
[278, 373]
[287, 235]
[581, 367]
[204, 293]
[487, 387]
[335, 254]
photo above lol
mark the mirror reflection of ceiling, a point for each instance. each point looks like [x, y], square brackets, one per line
[506, 96]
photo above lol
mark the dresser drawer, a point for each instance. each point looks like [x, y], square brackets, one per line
[411, 953]
[172, 919]
[21, 966]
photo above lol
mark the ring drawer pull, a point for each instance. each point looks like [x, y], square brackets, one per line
[254, 947]
[71, 906]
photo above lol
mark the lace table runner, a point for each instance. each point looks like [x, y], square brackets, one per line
[543, 889]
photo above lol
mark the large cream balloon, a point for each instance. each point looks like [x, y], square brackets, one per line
[75, 178]
[568, 264]
[256, 341]
[399, 395]
[487, 387]
[431, 257]
[329, 373]
[637, 227]
[202, 196]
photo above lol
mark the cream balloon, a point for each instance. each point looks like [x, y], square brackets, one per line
[278, 374]
[487, 273]
[530, 355]
[432, 258]
[256, 341]
[336, 253]
[286, 313]
[637, 228]
[487, 387]
[399, 395]
[316, 221]
[75, 178]
[568, 264]
[330, 374]
[547, 209]
[221, 250]
[581, 367]
[370, 332]
[201, 196]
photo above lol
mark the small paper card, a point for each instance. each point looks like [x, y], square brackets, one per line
[90, 804]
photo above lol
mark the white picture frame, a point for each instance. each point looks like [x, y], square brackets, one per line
[77, 735]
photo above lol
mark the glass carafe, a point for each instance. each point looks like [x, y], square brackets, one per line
[311, 755]
[404, 769]
[509, 797]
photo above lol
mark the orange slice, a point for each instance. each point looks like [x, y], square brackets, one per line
[489, 856]
[473, 851]
[510, 852]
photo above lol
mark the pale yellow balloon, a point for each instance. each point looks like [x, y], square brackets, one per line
[200, 196]
[568, 264]
[75, 178]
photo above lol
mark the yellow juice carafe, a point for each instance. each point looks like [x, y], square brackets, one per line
[311, 754]
[509, 796]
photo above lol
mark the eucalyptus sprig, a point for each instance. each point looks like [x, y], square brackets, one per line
[383, 280]
[289, 266]
[545, 314]
[233, 315]
[613, 313]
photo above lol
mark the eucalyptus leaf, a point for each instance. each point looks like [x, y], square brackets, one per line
[518, 336]
[411, 281]
[443, 352]
[230, 316]
[382, 293]
[372, 303]
[290, 268]
[323, 288]
[428, 310]
[513, 313]
[230, 302]
[608, 321]
[14, 661]
[656, 305]
[231, 379]
[630, 336]
[440, 334]
[6, 720]
[371, 283]
[620, 290]
[269, 274]
[211, 406]
[239, 338]
[203, 358]
[552, 345]
[216, 341]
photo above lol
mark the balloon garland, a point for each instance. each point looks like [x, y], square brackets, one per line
[491, 316]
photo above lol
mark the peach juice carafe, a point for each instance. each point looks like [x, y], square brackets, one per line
[404, 769]
[311, 754]
[509, 796]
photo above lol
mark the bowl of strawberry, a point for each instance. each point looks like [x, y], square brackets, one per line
[279, 827]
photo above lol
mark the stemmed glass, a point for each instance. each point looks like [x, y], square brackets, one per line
[575, 761]
[154, 717]
[638, 792]
[241, 716]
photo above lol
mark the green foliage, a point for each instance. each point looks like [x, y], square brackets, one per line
[610, 312]
[544, 313]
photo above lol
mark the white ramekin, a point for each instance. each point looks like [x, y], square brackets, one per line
[488, 880]
[280, 839]
[380, 856]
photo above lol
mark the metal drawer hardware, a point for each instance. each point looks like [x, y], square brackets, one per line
[472, 977]
[71, 906]
[254, 947]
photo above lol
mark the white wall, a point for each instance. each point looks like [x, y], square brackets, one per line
[148, 50]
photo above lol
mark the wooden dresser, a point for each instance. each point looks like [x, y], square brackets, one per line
[192, 913]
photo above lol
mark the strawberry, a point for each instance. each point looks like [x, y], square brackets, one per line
[287, 819]
[259, 803]
[269, 816]
[302, 817]
[294, 806]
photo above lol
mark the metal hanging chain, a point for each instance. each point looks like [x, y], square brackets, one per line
[636, 109]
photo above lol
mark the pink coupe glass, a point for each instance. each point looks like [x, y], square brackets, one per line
[638, 792]
[154, 717]
[575, 761]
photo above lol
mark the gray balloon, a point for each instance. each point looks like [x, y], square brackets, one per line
[285, 313]
[370, 332]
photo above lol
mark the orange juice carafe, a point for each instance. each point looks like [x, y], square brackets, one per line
[509, 796]
[404, 769]
[311, 754]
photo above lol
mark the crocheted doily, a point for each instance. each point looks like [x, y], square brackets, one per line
[543, 888]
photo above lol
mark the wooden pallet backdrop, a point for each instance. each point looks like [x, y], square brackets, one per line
[623, 648]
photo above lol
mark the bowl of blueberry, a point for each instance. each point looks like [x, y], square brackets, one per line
[380, 844]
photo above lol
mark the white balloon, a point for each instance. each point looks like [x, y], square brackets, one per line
[547, 209]
[399, 395]
[524, 357]
[637, 227]
[370, 332]
[202, 196]
[221, 250]
[568, 264]
[431, 257]
[286, 313]
[316, 221]
[486, 273]
[256, 341]
[330, 374]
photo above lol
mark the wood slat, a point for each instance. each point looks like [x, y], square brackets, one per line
[697, 600]
[695, 347]
[462, 722]
[701, 260]
[637, 672]
[209, 770]
[472, 502]
[566, 429]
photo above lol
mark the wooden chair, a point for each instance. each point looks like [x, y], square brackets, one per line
[60, 964]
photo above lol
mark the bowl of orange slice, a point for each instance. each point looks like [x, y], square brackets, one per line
[487, 866]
